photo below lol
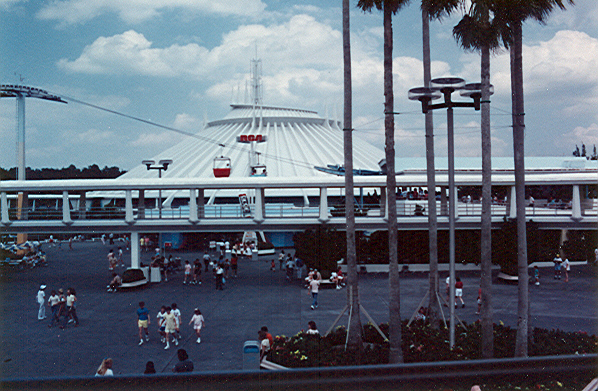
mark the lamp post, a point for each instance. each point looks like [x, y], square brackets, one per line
[444, 87]
[162, 165]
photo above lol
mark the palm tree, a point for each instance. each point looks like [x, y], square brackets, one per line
[354, 340]
[513, 13]
[477, 32]
[389, 8]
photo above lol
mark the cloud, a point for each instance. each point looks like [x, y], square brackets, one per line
[581, 135]
[94, 136]
[69, 12]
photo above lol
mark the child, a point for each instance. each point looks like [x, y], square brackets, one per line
[198, 323]
[459, 292]
[197, 272]
[187, 272]
[161, 327]
[272, 265]
[177, 314]
[536, 275]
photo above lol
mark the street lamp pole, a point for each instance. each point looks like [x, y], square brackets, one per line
[162, 165]
[444, 87]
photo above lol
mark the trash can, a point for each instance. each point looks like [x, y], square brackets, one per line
[251, 355]
[156, 277]
[146, 272]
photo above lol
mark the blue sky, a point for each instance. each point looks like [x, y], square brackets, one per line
[178, 62]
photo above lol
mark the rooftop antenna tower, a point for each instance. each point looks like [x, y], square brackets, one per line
[21, 92]
[257, 87]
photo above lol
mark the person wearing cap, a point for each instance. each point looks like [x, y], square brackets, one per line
[41, 300]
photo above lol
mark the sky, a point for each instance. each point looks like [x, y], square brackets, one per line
[179, 63]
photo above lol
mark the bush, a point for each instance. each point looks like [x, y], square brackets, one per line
[421, 343]
[132, 275]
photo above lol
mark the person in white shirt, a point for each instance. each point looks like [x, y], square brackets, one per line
[198, 323]
[567, 267]
[41, 300]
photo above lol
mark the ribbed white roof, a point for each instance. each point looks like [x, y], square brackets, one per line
[297, 140]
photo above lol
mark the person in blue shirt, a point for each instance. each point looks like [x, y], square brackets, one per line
[143, 321]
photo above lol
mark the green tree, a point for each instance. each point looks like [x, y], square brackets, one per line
[390, 8]
[513, 13]
[354, 340]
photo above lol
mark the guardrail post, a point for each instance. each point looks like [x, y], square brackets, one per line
[201, 204]
[4, 206]
[512, 204]
[258, 216]
[323, 205]
[66, 208]
[129, 207]
[576, 203]
[193, 206]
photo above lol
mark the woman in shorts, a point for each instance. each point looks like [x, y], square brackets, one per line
[198, 323]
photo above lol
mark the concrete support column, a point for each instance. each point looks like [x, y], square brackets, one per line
[129, 207]
[4, 206]
[201, 204]
[66, 208]
[512, 204]
[135, 250]
[455, 199]
[443, 202]
[323, 205]
[258, 216]
[383, 206]
[82, 205]
[193, 206]
[141, 205]
[576, 203]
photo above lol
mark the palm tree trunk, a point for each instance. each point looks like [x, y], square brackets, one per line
[486, 229]
[394, 307]
[518, 150]
[433, 304]
[354, 335]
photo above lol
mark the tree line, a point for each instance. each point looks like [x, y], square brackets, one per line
[71, 172]
[583, 153]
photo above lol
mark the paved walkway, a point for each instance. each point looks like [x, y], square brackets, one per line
[257, 297]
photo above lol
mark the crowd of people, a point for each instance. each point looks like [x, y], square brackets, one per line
[63, 307]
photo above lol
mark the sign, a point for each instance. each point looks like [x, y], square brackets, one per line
[247, 138]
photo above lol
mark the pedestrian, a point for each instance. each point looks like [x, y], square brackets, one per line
[226, 267]
[120, 257]
[165, 264]
[184, 364]
[104, 239]
[53, 302]
[268, 335]
[448, 290]
[536, 275]
[312, 328]
[290, 266]
[206, 260]
[299, 263]
[281, 259]
[313, 289]
[219, 277]
[264, 344]
[459, 292]
[567, 267]
[161, 325]
[479, 301]
[105, 368]
[187, 272]
[198, 322]
[112, 262]
[557, 266]
[71, 300]
[62, 314]
[197, 271]
[169, 327]
[272, 265]
[234, 260]
[143, 321]
[177, 314]
[149, 368]
[115, 282]
[41, 300]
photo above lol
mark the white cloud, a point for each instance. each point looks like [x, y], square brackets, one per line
[161, 140]
[186, 122]
[69, 12]
[586, 135]
[93, 136]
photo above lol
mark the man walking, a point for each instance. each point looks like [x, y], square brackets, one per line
[41, 300]
[313, 288]
[143, 322]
